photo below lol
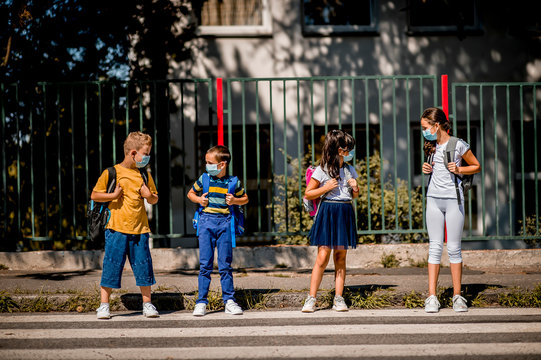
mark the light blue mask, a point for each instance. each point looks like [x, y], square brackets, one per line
[350, 156]
[429, 136]
[143, 162]
[212, 169]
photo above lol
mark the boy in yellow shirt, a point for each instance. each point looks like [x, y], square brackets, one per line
[127, 232]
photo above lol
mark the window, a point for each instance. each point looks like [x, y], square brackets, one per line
[443, 16]
[327, 17]
[233, 17]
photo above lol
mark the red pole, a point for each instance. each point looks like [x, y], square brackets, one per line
[220, 110]
[445, 108]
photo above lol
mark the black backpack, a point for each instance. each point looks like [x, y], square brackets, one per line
[467, 180]
[98, 213]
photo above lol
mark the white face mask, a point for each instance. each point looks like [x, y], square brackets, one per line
[212, 169]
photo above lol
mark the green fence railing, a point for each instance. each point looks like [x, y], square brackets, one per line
[58, 137]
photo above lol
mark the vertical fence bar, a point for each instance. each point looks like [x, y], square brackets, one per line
[326, 126]
[113, 108]
[367, 140]
[312, 121]
[230, 123]
[4, 166]
[468, 136]
[355, 208]
[18, 138]
[168, 132]
[197, 160]
[381, 174]
[509, 174]
[496, 164]
[340, 103]
[395, 155]
[156, 179]
[244, 173]
[127, 108]
[32, 196]
[271, 125]
[257, 154]
[535, 160]
[408, 146]
[60, 207]
[85, 109]
[140, 106]
[285, 157]
[299, 154]
[422, 160]
[99, 127]
[521, 94]
[482, 125]
[73, 191]
[220, 110]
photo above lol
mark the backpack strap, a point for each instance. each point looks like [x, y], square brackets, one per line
[144, 175]
[231, 186]
[111, 179]
[206, 182]
[449, 156]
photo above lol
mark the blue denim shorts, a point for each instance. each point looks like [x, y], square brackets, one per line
[119, 245]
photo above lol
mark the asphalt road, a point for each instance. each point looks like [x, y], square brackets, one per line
[369, 334]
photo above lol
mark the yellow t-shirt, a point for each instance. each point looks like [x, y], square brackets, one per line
[128, 214]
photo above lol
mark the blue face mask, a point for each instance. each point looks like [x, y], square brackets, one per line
[350, 156]
[143, 162]
[212, 169]
[429, 136]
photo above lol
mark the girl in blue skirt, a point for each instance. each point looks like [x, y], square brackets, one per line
[334, 182]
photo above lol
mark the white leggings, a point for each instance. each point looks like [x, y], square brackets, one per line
[440, 212]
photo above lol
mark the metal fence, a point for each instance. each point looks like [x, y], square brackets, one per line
[57, 138]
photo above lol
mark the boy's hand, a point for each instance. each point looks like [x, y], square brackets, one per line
[331, 184]
[353, 185]
[145, 191]
[427, 168]
[203, 200]
[118, 192]
[453, 168]
[230, 199]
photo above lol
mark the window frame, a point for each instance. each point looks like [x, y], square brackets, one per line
[240, 30]
[338, 30]
[475, 29]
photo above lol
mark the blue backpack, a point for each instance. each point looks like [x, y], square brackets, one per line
[237, 213]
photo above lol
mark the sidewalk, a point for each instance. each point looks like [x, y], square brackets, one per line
[265, 288]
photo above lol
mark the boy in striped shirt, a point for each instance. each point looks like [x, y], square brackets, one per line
[214, 228]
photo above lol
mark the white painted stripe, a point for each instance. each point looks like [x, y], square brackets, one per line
[300, 330]
[184, 316]
[258, 352]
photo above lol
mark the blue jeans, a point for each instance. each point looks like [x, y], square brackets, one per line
[215, 232]
[119, 245]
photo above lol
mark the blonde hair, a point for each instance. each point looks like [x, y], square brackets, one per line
[136, 140]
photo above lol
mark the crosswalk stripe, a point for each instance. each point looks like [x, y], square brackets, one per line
[186, 316]
[260, 352]
[304, 330]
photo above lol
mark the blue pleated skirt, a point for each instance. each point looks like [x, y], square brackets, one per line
[334, 226]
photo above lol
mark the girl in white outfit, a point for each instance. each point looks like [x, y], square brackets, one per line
[443, 208]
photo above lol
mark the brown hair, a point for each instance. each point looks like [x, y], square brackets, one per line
[136, 140]
[432, 116]
[221, 152]
[330, 161]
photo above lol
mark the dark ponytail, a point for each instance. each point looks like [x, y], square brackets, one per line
[330, 160]
[432, 116]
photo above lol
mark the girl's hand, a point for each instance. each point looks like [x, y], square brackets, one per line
[203, 200]
[145, 191]
[427, 168]
[453, 168]
[331, 184]
[353, 185]
[229, 199]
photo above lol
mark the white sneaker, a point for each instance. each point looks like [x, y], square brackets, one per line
[459, 304]
[103, 311]
[200, 309]
[432, 305]
[339, 304]
[309, 305]
[231, 307]
[150, 311]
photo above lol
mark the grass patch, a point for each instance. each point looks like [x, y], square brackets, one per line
[479, 301]
[214, 298]
[4, 267]
[7, 304]
[162, 288]
[389, 261]
[419, 264]
[413, 300]
[280, 266]
[521, 298]
[280, 275]
[252, 300]
[370, 298]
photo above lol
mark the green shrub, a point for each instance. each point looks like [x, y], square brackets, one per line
[7, 304]
[530, 229]
[389, 261]
[413, 300]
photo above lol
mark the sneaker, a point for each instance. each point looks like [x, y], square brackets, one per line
[459, 304]
[309, 305]
[150, 311]
[200, 309]
[103, 311]
[432, 305]
[339, 304]
[231, 307]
